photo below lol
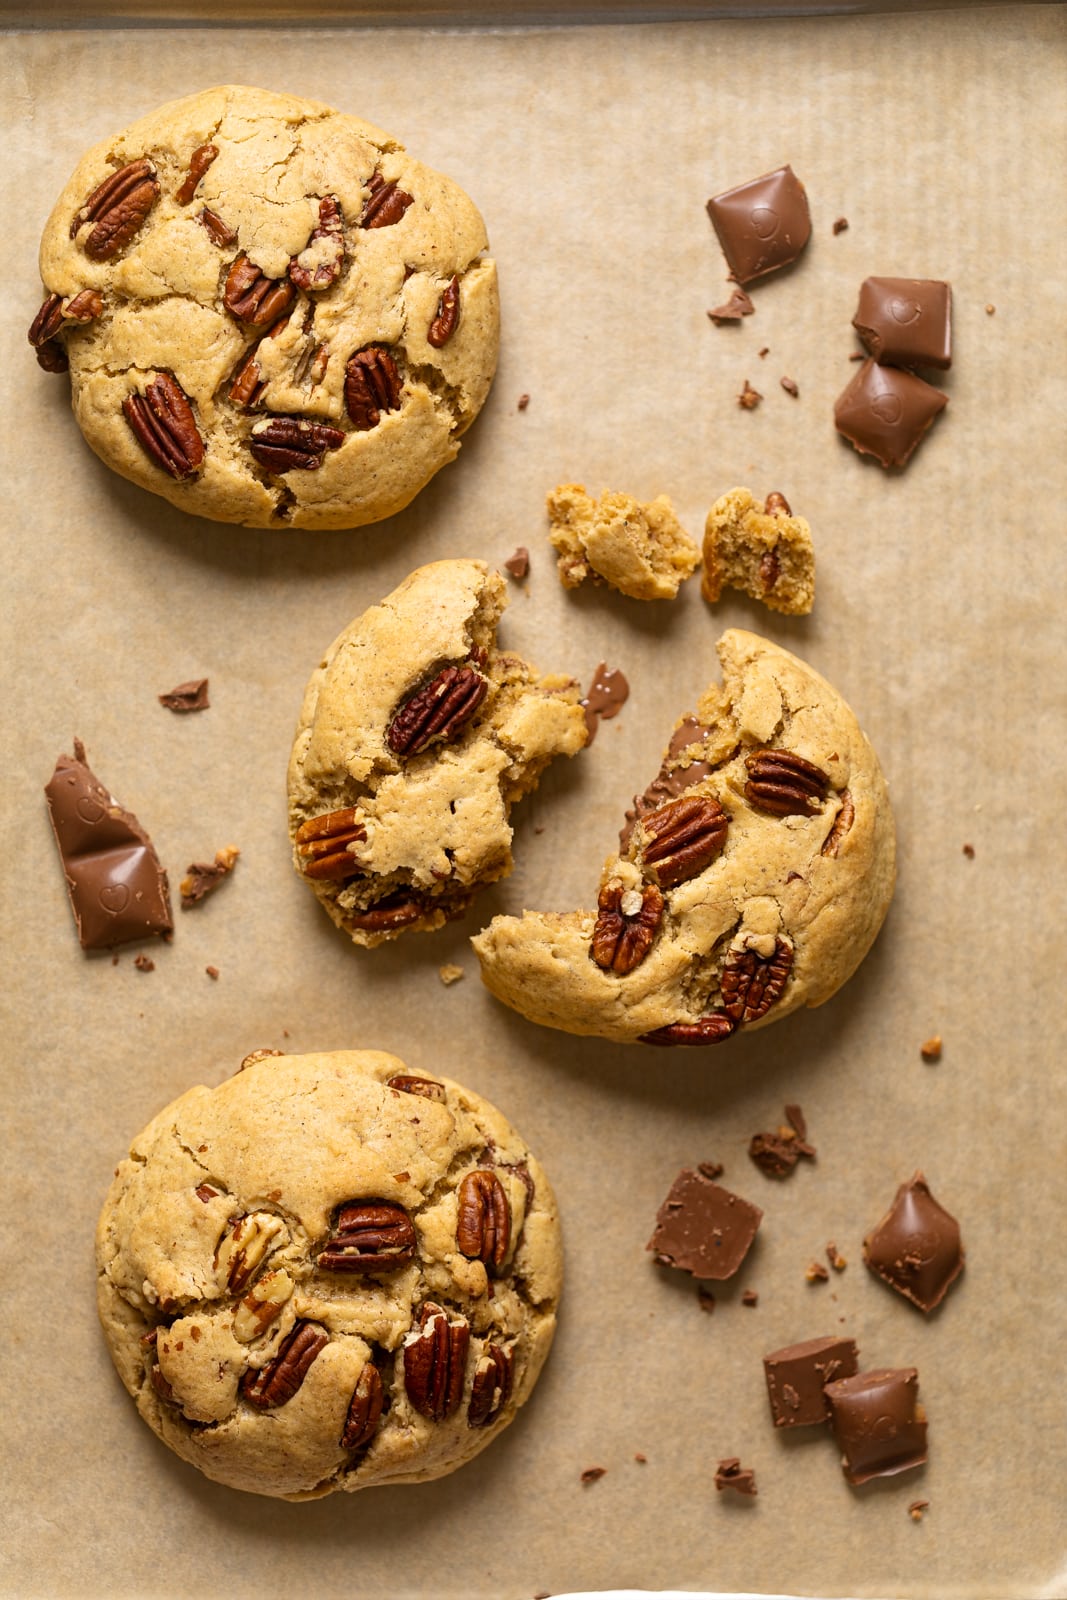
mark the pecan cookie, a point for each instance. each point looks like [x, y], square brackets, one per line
[328, 1273]
[416, 736]
[271, 313]
[752, 875]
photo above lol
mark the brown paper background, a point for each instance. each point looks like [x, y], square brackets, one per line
[591, 153]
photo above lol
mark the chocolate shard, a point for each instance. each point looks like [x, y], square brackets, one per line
[906, 322]
[191, 696]
[702, 1228]
[878, 1422]
[730, 1474]
[762, 225]
[118, 889]
[885, 412]
[797, 1374]
[916, 1248]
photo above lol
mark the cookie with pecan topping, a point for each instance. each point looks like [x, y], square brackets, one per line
[240, 267]
[321, 1276]
[769, 841]
[417, 736]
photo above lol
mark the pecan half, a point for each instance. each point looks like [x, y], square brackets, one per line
[372, 385]
[48, 321]
[441, 710]
[626, 925]
[162, 421]
[769, 570]
[83, 307]
[80, 308]
[52, 357]
[117, 208]
[394, 911]
[846, 816]
[279, 1380]
[286, 444]
[364, 1409]
[370, 1236]
[199, 161]
[483, 1218]
[250, 296]
[386, 203]
[429, 1088]
[247, 383]
[784, 784]
[322, 843]
[491, 1386]
[435, 1362]
[682, 838]
[711, 1029]
[446, 321]
[319, 263]
[242, 1251]
[220, 233]
[751, 983]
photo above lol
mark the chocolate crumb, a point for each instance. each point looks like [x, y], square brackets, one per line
[707, 1300]
[990, 311]
[749, 398]
[835, 1258]
[789, 386]
[930, 1049]
[739, 305]
[840, 225]
[730, 1474]
[640, 1457]
[750, 1298]
[968, 851]
[711, 1169]
[450, 973]
[797, 1121]
[204, 876]
[144, 963]
[212, 972]
[607, 695]
[764, 352]
[817, 1273]
[524, 401]
[857, 355]
[775, 1155]
[591, 1474]
[519, 564]
[191, 696]
[916, 1509]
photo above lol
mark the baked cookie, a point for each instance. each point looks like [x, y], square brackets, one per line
[416, 737]
[752, 876]
[641, 550]
[328, 1273]
[761, 549]
[271, 314]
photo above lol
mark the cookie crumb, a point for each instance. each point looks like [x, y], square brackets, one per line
[204, 876]
[817, 1273]
[144, 963]
[524, 401]
[730, 1474]
[212, 972]
[790, 386]
[739, 305]
[707, 1301]
[749, 398]
[191, 696]
[990, 311]
[968, 851]
[835, 1258]
[916, 1509]
[450, 973]
[750, 1298]
[519, 564]
[840, 225]
[930, 1049]
[591, 1474]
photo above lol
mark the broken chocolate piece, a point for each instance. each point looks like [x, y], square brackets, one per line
[592, 1474]
[878, 1422]
[885, 412]
[790, 386]
[730, 1474]
[906, 322]
[191, 696]
[750, 1298]
[204, 876]
[118, 890]
[702, 1228]
[762, 225]
[840, 225]
[739, 305]
[749, 398]
[518, 565]
[776, 1154]
[796, 1376]
[916, 1247]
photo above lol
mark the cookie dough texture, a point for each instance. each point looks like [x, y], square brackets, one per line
[788, 902]
[766, 553]
[428, 824]
[377, 282]
[210, 1258]
[641, 550]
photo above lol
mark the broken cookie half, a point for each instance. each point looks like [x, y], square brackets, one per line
[760, 548]
[752, 875]
[417, 736]
[641, 550]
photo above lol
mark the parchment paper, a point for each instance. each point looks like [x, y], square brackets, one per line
[591, 153]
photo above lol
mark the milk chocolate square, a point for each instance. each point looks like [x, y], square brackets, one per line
[796, 1376]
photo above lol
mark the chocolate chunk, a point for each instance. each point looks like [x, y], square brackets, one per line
[762, 225]
[702, 1228]
[739, 305]
[878, 1422]
[797, 1374]
[790, 386]
[906, 322]
[608, 693]
[118, 890]
[593, 1474]
[204, 876]
[840, 225]
[518, 564]
[524, 401]
[730, 1474]
[190, 696]
[750, 1298]
[775, 1155]
[916, 1247]
[884, 412]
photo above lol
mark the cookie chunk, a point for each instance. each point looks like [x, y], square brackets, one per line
[270, 312]
[752, 875]
[416, 736]
[761, 549]
[643, 551]
[328, 1273]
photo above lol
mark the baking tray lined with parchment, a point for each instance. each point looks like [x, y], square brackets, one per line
[591, 152]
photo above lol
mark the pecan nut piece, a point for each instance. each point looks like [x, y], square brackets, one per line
[288, 444]
[711, 1029]
[394, 911]
[52, 357]
[682, 838]
[250, 296]
[80, 308]
[784, 784]
[441, 710]
[446, 321]
[491, 1386]
[483, 1218]
[372, 385]
[280, 1379]
[261, 1305]
[846, 816]
[242, 1251]
[370, 1236]
[319, 263]
[247, 383]
[48, 321]
[435, 1362]
[364, 1409]
[429, 1088]
[117, 208]
[751, 983]
[322, 843]
[386, 203]
[199, 161]
[626, 924]
[163, 423]
[220, 233]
